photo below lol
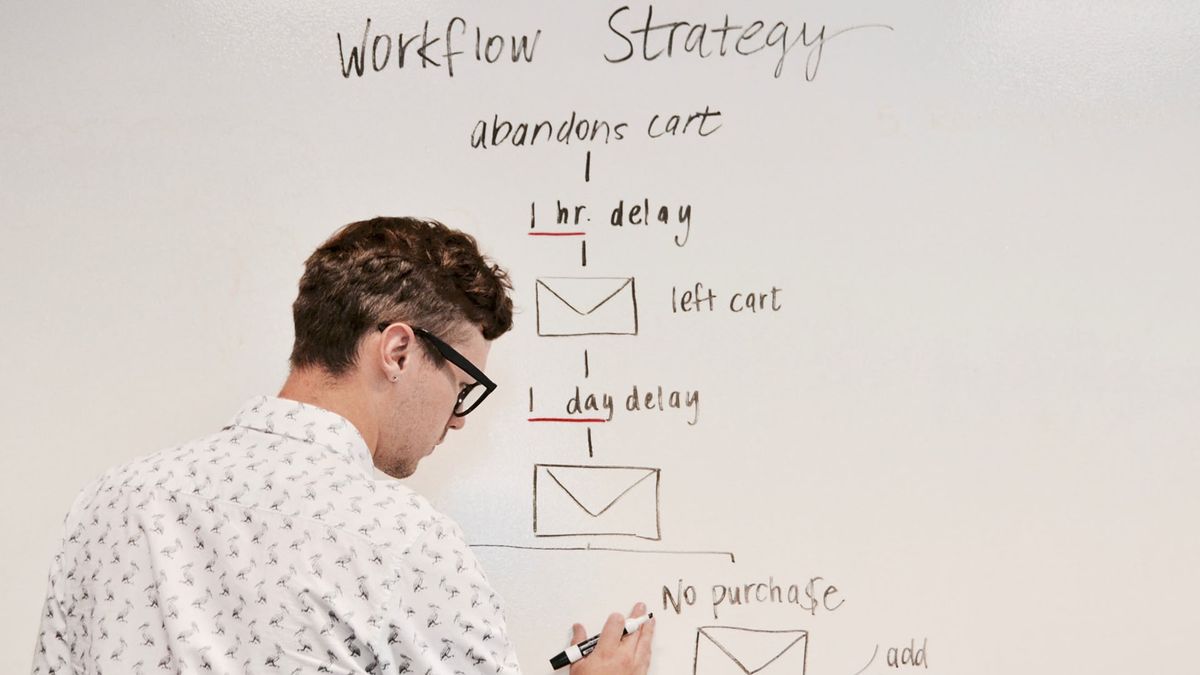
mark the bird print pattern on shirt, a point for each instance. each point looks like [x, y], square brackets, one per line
[268, 547]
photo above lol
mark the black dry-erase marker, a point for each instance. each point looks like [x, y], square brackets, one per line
[576, 652]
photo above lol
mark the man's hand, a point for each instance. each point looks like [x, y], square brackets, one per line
[616, 655]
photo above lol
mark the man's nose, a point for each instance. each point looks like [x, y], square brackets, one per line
[456, 422]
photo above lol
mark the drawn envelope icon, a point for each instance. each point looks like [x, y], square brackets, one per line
[586, 306]
[573, 500]
[731, 650]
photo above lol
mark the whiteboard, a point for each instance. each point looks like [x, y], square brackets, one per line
[917, 284]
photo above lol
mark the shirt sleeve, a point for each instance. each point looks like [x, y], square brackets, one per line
[442, 616]
[52, 653]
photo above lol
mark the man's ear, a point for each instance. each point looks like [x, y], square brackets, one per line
[396, 349]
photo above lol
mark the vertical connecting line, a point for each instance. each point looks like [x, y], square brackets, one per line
[531, 399]
[589, 434]
[587, 168]
[532, 214]
[586, 370]
[583, 252]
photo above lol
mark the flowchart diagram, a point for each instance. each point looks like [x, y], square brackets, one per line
[596, 502]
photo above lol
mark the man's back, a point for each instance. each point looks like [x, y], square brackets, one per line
[268, 547]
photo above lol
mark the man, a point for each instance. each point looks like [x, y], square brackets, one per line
[269, 546]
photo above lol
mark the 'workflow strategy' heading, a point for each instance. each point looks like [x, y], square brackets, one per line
[634, 36]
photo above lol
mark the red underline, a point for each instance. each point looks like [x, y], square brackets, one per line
[567, 419]
[557, 234]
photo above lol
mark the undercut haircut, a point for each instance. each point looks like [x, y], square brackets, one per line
[394, 269]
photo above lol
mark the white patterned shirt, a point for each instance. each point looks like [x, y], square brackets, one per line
[268, 547]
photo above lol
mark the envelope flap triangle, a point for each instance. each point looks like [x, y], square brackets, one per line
[597, 488]
[584, 294]
[753, 650]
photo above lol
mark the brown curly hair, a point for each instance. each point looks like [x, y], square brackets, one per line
[394, 269]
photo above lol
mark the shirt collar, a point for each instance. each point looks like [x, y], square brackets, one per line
[307, 424]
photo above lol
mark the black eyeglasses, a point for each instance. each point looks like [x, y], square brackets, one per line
[472, 394]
